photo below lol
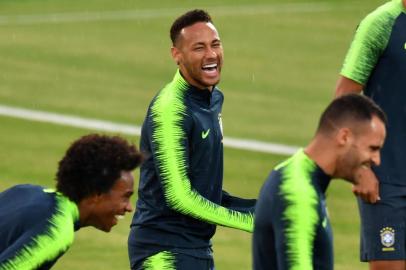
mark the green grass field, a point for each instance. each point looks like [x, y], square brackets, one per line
[106, 59]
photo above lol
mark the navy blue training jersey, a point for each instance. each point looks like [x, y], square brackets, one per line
[36, 227]
[180, 196]
[377, 60]
[292, 229]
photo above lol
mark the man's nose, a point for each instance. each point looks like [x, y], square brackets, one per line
[210, 53]
[376, 159]
[129, 207]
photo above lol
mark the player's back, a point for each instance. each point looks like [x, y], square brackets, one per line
[21, 208]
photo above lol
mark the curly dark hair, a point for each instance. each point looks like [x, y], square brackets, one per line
[188, 19]
[93, 163]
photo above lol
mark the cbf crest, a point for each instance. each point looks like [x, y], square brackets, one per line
[387, 238]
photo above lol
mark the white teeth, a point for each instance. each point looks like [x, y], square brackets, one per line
[119, 216]
[210, 66]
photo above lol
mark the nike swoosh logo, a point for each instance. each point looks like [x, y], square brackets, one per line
[205, 134]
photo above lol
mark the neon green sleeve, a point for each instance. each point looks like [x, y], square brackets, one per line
[370, 41]
[169, 140]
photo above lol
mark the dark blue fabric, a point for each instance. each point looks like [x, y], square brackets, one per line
[387, 214]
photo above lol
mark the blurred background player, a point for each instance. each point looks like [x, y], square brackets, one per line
[376, 65]
[94, 186]
[292, 228]
[180, 192]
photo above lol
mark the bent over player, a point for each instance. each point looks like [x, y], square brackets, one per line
[94, 186]
[292, 229]
[180, 198]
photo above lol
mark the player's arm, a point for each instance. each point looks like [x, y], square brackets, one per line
[238, 204]
[347, 86]
[170, 126]
[172, 156]
[366, 185]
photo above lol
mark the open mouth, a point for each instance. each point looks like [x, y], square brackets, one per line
[366, 165]
[210, 67]
[118, 217]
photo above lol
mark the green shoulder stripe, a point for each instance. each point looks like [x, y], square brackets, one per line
[301, 210]
[370, 41]
[168, 111]
[57, 238]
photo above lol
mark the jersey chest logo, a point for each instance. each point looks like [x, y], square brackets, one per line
[387, 238]
[205, 133]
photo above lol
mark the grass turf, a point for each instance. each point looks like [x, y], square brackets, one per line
[281, 63]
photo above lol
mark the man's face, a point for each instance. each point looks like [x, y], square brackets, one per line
[112, 205]
[362, 149]
[199, 53]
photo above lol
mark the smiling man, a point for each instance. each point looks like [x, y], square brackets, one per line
[292, 228]
[180, 192]
[94, 186]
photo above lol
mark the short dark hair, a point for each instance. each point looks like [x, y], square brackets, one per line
[351, 107]
[189, 18]
[92, 165]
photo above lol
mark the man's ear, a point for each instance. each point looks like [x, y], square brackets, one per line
[176, 54]
[344, 136]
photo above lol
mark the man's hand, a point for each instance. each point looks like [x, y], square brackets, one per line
[366, 185]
